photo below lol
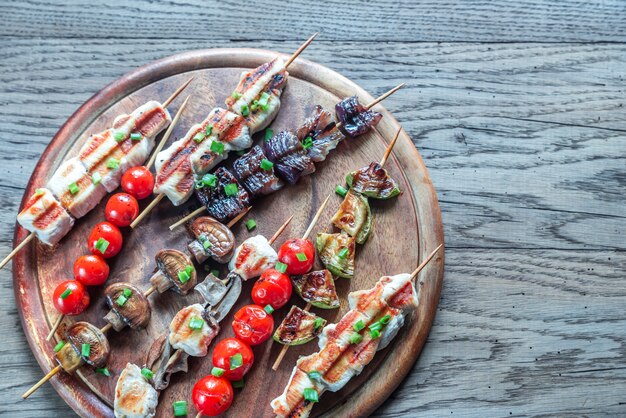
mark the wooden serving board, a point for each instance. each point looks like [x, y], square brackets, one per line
[406, 230]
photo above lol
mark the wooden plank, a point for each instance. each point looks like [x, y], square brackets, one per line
[406, 20]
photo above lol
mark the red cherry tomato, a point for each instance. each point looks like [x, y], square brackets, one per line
[228, 348]
[138, 181]
[105, 240]
[298, 254]
[253, 325]
[273, 288]
[121, 209]
[91, 270]
[70, 297]
[212, 395]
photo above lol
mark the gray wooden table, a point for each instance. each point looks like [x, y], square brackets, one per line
[517, 109]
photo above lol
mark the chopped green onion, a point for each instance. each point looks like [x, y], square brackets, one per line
[236, 95]
[217, 372]
[147, 373]
[318, 322]
[236, 361]
[374, 334]
[199, 137]
[101, 245]
[180, 408]
[358, 326]
[206, 244]
[96, 178]
[341, 191]
[264, 101]
[254, 106]
[208, 130]
[251, 224]
[189, 269]
[66, 293]
[59, 346]
[343, 253]
[315, 375]
[121, 300]
[268, 308]
[231, 189]
[376, 326]
[196, 323]
[113, 163]
[119, 136]
[39, 192]
[74, 188]
[307, 143]
[310, 395]
[268, 135]
[85, 350]
[282, 267]
[199, 184]
[238, 384]
[301, 257]
[215, 273]
[183, 276]
[209, 180]
[266, 164]
[127, 292]
[245, 111]
[135, 136]
[103, 371]
[217, 147]
[356, 338]
[385, 319]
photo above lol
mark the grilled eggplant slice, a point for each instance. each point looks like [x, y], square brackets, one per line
[226, 198]
[336, 251]
[373, 181]
[255, 171]
[174, 269]
[290, 158]
[213, 240]
[354, 216]
[318, 288]
[354, 118]
[299, 327]
[319, 133]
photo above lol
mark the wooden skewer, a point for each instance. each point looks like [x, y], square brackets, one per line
[167, 134]
[147, 210]
[299, 51]
[17, 249]
[390, 147]
[379, 99]
[199, 415]
[41, 382]
[423, 264]
[279, 231]
[55, 327]
[174, 95]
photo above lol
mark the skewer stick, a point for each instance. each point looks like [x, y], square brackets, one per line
[280, 231]
[17, 249]
[41, 382]
[167, 134]
[379, 99]
[390, 147]
[179, 90]
[423, 264]
[55, 326]
[199, 415]
[147, 210]
[188, 217]
[299, 51]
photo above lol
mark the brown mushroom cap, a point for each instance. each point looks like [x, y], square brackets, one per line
[84, 333]
[169, 264]
[219, 235]
[135, 312]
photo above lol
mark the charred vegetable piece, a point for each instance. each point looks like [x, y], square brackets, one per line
[299, 327]
[128, 306]
[213, 240]
[373, 181]
[256, 172]
[336, 251]
[226, 199]
[318, 288]
[322, 130]
[290, 158]
[354, 216]
[85, 344]
[174, 269]
[354, 119]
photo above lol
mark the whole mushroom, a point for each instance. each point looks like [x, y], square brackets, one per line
[213, 240]
[174, 270]
[129, 307]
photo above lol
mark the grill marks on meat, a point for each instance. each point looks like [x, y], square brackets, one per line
[134, 396]
[255, 179]
[291, 160]
[218, 204]
[354, 118]
[253, 257]
[44, 215]
[322, 130]
[194, 342]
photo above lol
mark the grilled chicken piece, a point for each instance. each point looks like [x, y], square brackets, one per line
[290, 158]
[226, 198]
[44, 215]
[75, 189]
[257, 96]
[102, 157]
[253, 257]
[192, 330]
[256, 172]
[134, 396]
[230, 129]
[323, 133]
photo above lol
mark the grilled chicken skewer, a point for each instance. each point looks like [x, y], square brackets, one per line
[81, 182]
[252, 106]
[374, 319]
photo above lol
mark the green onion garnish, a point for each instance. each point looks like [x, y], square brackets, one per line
[241, 152]
[266, 164]
[245, 111]
[215, 273]
[376, 326]
[307, 143]
[254, 106]
[39, 192]
[282, 267]
[101, 245]
[183, 276]
[180, 408]
[385, 319]
[85, 350]
[74, 188]
[217, 372]
[341, 191]
[135, 136]
[113, 163]
[217, 147]
[314, 375]
[59, 346]
[358, 326]
[231, 189]
[310, 395]
[236, 361]
[96, 178]
[208, 130]
[209, 180]
[343, 253]
[189, 269]
[238, 384]
[263, 101]
[268, 135]
[206, 244]
[301, 257]
[103, 371]
[374, 334]
[121, 300]
[66, 293]
[127, 292]
[196, 323]
[236, 95]
[199, 184]
[251, 224]
[147, 373]
[119, 136]
[356, 338]
[318, 322]
[199, 137]
[268, 308]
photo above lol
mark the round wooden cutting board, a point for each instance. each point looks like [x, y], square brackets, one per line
[406, 229]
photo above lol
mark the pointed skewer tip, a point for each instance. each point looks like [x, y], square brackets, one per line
[179, 90]
[299, 50]
[390, 147]
[425, 262]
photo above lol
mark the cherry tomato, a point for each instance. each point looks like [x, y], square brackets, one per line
[298, 254]
[105, 240]
[91, 270]
[70, 297]
[253, 325]
[228, 348]
[138, 181]
[273, 288]
[212, 395]
[121, 209]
